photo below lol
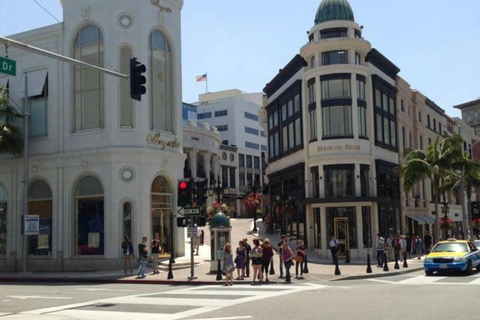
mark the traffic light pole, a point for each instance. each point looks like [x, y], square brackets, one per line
[192, 270]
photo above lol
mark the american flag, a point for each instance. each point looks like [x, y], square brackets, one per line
[202, 78]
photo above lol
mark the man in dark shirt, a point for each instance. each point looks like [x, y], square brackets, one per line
[280, 257]
[143, 256]
[247, 258]
[427, 240]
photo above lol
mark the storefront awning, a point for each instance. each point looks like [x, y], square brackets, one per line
[415, 217]
[427, 218]
[36, 82]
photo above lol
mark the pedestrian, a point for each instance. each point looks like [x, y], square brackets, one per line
[287, 260]
[418, 246]
[128, 255]
[427, 240]
[155, 247]
[300, 251]
[228, 267]
[409, 244]
[240, 261]
[247, 261]
[142, 257]
[196, 240]
[390, 247]
[267, 221]
[380, 245]
[333, 247]
[267, 257]
[256, 256]
[403, 247]
[280, 256]
[396, 247]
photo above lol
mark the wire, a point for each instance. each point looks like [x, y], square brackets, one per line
[44, 9]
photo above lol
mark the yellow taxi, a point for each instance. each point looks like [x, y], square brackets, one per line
[452, 255]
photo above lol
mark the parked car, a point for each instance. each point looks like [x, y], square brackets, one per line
[452, 255]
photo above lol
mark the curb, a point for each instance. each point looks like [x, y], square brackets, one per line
[379, 275]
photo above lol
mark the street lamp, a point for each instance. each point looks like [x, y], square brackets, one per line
[216, 188]
[253, 189]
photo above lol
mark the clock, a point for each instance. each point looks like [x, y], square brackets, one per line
[224, 156]
[232, 157]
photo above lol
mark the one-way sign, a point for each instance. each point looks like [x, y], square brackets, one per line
[191, 211]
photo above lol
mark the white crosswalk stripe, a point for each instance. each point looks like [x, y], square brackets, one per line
[171, 305]
[433, 280]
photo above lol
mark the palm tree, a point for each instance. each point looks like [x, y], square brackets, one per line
[11, 137]
[435, 163]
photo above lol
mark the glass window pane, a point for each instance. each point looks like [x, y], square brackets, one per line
[284, 112]
[393, 133]
[39, 190]
[275, 119]
[386, 131]
[291, 133]
[90, 115]
[379, 128]
[378, 98]
[298, 132]
[392, 106]
[277, 144]
[296, 103]
[38, 117]
[285, 138]
[385, 102]
[89, 186]
[158, 40]
[290, 108]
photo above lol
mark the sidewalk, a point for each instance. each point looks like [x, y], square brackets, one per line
[320, 269]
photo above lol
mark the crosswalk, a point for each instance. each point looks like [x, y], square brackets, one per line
[421, 280]
[176, 304]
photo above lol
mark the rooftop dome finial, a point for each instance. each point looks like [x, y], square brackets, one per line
[334, 10]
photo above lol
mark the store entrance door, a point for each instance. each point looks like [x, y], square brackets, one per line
[161, 225]
[341, 234]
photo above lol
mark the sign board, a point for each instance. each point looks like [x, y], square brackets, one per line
[190, 211]
[8, 66]
[32, 225]
[192, 231]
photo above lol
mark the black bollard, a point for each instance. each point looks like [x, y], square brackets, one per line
[369, 267]
[219, 271]
[337, 269]
[396, 261]
[385, 261]
[347, 256]
[170, 271]
[305, 267]
[405, 264]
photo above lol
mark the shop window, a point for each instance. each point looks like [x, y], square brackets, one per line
[315, 183]
[40, 203]
[365, 180]
[161, 213]
[339, 182]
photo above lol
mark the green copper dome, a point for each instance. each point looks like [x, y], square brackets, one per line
[219, 220]
[334, 10]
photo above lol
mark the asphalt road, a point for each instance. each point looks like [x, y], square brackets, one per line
[412, 296]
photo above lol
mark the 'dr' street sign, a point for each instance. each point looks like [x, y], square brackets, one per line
[8, 66]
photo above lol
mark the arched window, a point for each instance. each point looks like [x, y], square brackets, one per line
[161, 82]
[127, 219]
[90, 218]
[40, 203]
[88, 102]
[162, 204]
[126, 104]
[3, 221]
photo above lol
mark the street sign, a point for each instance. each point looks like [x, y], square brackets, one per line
[192, 231]
[8, 66]
[191, 211]
[32, 225]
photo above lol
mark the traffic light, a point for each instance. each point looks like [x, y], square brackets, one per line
[184, 195]
[195, 198]
[137, 80]
[202, 192]
[200, 221]
[182, 222]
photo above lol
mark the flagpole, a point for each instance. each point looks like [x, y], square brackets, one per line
[206, 83]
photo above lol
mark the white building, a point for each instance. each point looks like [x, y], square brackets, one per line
[102, 166]
[236, 116]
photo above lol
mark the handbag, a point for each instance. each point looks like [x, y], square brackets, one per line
[298, 259]
[236, 260]
[229, 267]
[272, 270]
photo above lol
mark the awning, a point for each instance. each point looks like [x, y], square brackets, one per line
[415, 218]
[36, 82]
[3, 82]
[427, 218]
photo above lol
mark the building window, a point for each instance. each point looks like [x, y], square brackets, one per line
[88, 84]
[3, 221]
[241, 160]
[257, 180]
[428, 120]
[312, 97]
[339, 181]
[256, 162]
[251, 116]
[221, 113]
[204, 115]
[315, 183]
[252, 145]
[421, 142]
[362, 122]
[232, 178]
[358, 60]
[337, 121]
[401, 106]
[262, 133]
[161, 82]
[90, 219]
[361, 89]
[367, 227]
[251, 131]
[336, 88]
[419, 116]
[127, 220]
[161, 199]
[333, 33]
[40, 203]
[385, 116]
[365, 180]
[434, 125]
[38, 113]
[264, 148]
[335, 57]
[222, 128]
[241, 179]
[249, 161]
[126, 102]
[358, 34]
[312, 62]
[313, 125]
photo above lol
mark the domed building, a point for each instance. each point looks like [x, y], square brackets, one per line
[331, 114]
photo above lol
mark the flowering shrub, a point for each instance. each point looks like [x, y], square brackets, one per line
[445, 223]
[253, 200]
[216, 207]
[476, 223]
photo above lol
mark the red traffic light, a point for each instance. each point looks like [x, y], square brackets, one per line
[183, 185]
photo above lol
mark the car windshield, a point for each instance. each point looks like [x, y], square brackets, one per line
[450, 247]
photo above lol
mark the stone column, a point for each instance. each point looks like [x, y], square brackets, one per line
[216, 166]
[206, 164]
[192, 155]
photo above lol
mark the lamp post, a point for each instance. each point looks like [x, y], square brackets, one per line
[217, 189]
[253, 189]
[445, 210]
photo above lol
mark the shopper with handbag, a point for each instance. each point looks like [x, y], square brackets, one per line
[228, 267]
[256, 256]
[267, 257]
[287, 257]
[240, 261]
[300, 250]
[155, 247]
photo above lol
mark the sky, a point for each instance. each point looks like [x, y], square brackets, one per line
[242, 44]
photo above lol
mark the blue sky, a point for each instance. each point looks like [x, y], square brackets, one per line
[243, 43]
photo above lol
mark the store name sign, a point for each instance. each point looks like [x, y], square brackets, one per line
[348, 147]
[156, 3]
[155, 138]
